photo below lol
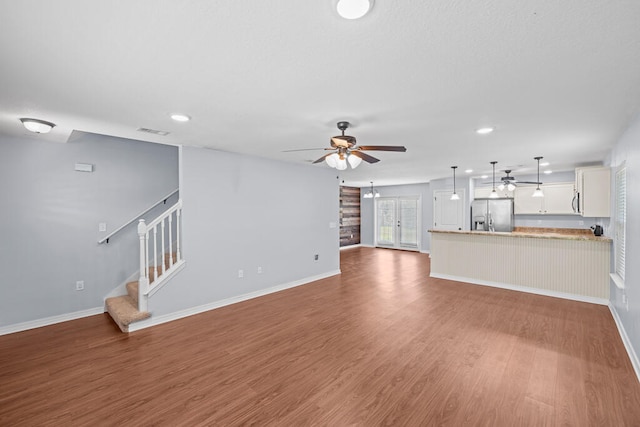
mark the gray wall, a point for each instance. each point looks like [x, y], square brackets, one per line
[628, 150]
[50, 215]
[243, 212]
[367, 212]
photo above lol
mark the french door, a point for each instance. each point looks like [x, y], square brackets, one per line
[397, 224]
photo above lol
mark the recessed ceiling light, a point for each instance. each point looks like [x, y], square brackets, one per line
[484, 176]
[37, 126]
[548, 172]
[180, 117]
[468, 170]
[544, 164]
[484, 131]
[353, 9]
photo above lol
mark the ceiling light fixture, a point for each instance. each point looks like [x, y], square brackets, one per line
[538, 192]
[180, 117]
[484, 131]
[37, 126]
[494, 194]
[547, 172]
[340, 160]
[468, 171]
[454, 196]
[371, 193]
[353, 9]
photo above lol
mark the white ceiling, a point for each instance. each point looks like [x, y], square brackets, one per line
[559, 79]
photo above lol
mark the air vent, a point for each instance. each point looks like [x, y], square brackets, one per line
[153, 131]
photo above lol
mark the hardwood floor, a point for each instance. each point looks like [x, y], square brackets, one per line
[382, 344]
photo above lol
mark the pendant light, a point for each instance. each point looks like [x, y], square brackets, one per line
[494, 193]
[538, 192]
[454, 196]
[371, 193]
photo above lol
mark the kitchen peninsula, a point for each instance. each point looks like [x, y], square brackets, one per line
[564, 263]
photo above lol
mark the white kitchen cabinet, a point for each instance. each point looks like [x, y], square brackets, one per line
[556, 201]
[485, 192]
[593, 191]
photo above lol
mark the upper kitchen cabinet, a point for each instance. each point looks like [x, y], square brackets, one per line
[556, 201]
[592, 196]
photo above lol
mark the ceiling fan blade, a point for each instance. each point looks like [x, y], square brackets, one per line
[382, 148]
[322, 158]
[367, 158]
[305, 149]
[529, 182]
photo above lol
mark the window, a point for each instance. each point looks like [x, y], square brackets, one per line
[620, 225]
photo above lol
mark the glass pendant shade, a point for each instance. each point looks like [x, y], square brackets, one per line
[511, 187]
[538, 192]
[501, 187]
[341, 164]
[332, 160]
[455, 196]
[494, 194]
[354, 161]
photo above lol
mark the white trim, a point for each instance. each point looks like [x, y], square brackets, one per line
[46, 321]
[426, 252]
[158, 320]
[555, 294]
[351, 246]
[617, 280]
[633, 357]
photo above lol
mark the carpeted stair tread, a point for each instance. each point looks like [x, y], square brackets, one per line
[125, 311]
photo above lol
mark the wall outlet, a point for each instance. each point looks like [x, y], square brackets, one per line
[259, 270]
[316, 256]
[80, 285]
[240, 274]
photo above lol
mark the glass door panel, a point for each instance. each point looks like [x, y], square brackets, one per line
[386, 221]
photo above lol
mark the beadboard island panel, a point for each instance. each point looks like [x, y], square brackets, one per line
[563, 266]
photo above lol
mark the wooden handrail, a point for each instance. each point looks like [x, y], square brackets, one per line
[110, 235]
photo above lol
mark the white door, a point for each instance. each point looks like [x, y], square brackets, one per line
[448, 214]
[397, 222]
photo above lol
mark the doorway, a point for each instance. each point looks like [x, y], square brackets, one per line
[397, 222]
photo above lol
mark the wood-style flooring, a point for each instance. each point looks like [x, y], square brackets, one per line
[381, 344]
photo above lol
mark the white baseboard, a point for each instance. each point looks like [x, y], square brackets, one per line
[563, 295]
[158, 320]
[38, 323]
[633, 357]
[359, 245]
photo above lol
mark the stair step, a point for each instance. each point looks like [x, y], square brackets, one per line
[125, 311]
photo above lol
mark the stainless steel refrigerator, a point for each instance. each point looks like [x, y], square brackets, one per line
[492, 215]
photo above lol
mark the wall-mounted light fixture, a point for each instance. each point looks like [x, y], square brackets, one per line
[37, 126]
[454, 196]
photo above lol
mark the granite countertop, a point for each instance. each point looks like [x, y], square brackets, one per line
[537, 233]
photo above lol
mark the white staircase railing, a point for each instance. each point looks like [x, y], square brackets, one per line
[160, 256]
